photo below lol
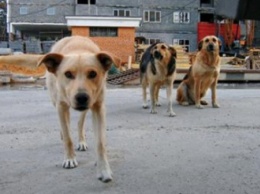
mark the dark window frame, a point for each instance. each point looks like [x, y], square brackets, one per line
[86, 2]
[103, 32]
[152, 16]
[122, 12]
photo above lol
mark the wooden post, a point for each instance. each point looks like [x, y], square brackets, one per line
[129, 65]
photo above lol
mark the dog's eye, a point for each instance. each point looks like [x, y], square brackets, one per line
[92, 74]
[207, 40]
[69, 75]
[163, 47]
[155, 47]
[214, 40]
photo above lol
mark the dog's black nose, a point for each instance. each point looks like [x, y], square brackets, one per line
[82, 100]
[157, 55]
[210, 47]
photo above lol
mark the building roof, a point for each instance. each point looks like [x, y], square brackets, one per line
[103, 21]
[36, 26]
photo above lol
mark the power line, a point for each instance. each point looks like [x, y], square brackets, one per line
[192, 1]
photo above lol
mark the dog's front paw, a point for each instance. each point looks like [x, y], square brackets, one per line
[215, 105]
[82, 146]
[203, 102]
[157, 104]
[105, 175]
[70, 163]
[199, 106]
[145, 106]
[184, 103]
[153, 111]
[172, 114]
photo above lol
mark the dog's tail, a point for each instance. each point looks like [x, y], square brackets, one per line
[188, 74]
[186, 96]
[183, 95]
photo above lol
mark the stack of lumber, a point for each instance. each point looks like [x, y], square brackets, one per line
[24, 64]
[183, 58]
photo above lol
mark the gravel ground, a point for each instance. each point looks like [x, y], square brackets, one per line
[208, 151]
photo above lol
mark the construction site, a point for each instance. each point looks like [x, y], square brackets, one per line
[210, 150]
[22, 68]
[240, 56]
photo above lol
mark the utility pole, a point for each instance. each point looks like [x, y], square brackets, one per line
[3, 20]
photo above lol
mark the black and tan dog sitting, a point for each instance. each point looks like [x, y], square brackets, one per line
[158, 67]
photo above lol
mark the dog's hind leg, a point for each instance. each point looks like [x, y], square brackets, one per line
[144, 87]
[82, 146]
[182, 95]
[153, 97]
[64, 116]
[169, 98]
[104, 172]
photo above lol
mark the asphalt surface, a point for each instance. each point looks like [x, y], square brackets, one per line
[208, 151]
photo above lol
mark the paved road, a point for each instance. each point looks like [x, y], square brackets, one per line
[209, 151]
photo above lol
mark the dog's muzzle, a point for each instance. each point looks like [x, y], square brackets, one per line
[157, 55]
[82, 101]
[211, 47]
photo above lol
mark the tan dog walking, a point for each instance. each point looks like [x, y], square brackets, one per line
[76, 78]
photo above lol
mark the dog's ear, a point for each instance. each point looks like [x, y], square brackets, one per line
[51, 61]
[200, 45]
[173, 51]
[151, 47]
[116, 60]
[172, 63]
[106, 60]
[219, 43]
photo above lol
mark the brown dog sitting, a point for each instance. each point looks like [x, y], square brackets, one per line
[76, 78]
[202, 75]
[158, 67]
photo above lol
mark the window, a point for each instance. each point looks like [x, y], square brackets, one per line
[152, 40]
[87, 2]
[103, 32]
[181, 17]
[207, 17]
[122, 12]
[152, 16]
[23, 10]
[184, 43]
[51, 11]
[206, 3]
